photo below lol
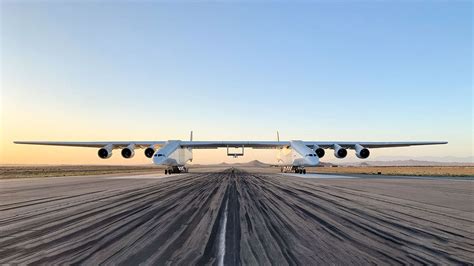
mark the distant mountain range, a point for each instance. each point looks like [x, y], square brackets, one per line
[407, 163]
[442, 159]
[410, 162]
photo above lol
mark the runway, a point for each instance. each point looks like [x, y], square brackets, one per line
[235, 218]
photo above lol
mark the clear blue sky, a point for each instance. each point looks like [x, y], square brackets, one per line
[365, 70]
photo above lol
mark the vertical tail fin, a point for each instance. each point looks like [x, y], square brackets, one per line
[278, 136]
[190, 150]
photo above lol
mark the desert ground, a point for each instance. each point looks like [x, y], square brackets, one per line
[32, 171]
[39, 171]
[467, 171]
[236, 216]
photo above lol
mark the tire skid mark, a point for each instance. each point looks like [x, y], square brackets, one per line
[392, 200]
[129, 199]
[405, 211]
[78, 216]
[69, 204]
[410, 227]
[159, 247]
[382, 234]
[381, 213]
[323, 223]
[153, 227]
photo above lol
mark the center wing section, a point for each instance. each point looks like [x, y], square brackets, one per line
[234, 144]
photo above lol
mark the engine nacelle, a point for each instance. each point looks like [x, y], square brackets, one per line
[149, 152]
[319, 151]
[128, 152]
[361, 152]
[339, 151]
[105, 153]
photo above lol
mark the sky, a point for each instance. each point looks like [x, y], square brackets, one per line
[368, 71]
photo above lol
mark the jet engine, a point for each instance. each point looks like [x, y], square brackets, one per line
[319, 151]
[361, 152]
[149, 152]
[339, 152]
[105, 153]
[128, 152]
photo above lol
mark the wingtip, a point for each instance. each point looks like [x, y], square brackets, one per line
[20, 142]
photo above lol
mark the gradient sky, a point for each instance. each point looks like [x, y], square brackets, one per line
[375, 71]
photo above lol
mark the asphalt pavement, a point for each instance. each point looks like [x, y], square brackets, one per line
[235, 218]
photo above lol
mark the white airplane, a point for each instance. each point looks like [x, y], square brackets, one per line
[293, 155]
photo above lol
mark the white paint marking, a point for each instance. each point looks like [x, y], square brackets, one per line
[223, 226]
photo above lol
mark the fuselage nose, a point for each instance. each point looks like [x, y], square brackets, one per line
[312, 160]
[159, 159]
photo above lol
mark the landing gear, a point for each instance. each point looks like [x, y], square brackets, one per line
[299, 170]
[176, 170]
[295, 169]
[170, 171]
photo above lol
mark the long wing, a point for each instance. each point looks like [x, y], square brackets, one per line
[96, 144]
[224, 144]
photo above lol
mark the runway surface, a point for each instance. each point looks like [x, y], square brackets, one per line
[235, 218]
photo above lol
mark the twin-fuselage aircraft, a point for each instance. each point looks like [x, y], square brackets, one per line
[293, 155]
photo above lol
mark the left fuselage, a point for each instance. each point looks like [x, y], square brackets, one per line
[172, 154]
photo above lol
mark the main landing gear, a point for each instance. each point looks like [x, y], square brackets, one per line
[295, 169]
[176, 170]
[300, 171]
